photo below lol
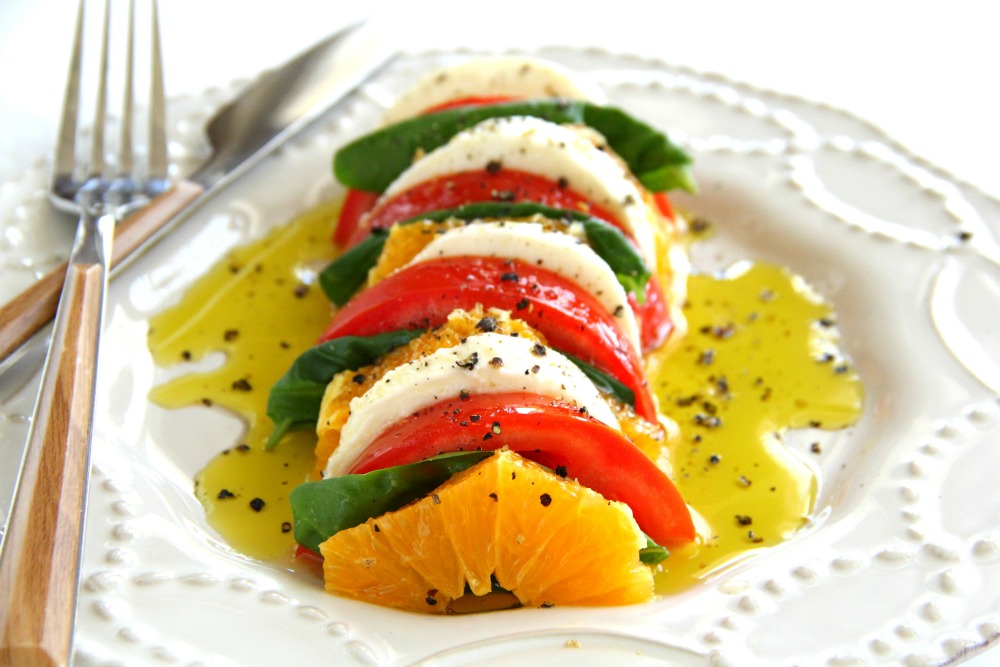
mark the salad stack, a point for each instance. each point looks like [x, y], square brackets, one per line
[485, 426]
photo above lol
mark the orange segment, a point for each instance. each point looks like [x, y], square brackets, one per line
[548, 540]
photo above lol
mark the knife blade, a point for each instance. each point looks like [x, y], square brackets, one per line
[273, 109]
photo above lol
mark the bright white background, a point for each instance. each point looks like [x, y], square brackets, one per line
[926, 72]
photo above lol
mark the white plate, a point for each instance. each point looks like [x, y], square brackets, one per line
[902, 564]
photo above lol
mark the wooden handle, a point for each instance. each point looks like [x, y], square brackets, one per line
[35, 307]
[39, 566]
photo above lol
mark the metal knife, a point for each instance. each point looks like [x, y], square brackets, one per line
[273, 109]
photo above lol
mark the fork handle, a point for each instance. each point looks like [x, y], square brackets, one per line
[39, 565]
[32, 309]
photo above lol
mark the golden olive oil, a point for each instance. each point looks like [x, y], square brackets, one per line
[260, 307]
[760, 357]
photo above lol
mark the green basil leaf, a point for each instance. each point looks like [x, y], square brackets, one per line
[325, 507]
[603, 381]
[614, 248]
[295, 399]
[653, 553]
[345, 275]
[373, 161]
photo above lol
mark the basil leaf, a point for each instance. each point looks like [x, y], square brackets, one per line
[614, 248]
[373, 161]
[500, 209]
[295, 399]
[653, 553]
[603, 381]
[324, 508]
[345, 275]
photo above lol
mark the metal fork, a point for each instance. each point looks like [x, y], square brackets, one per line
[39, 564]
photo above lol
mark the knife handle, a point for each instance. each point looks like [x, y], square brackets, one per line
[35, 307]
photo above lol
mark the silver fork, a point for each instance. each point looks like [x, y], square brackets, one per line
[39, 564]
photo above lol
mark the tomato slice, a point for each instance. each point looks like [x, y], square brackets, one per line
[664, 204]
[453, 190]
[655, 323]
[572, 320]
[356, 204]
[551, 433]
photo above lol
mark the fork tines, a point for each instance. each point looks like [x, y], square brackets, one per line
[112, 168]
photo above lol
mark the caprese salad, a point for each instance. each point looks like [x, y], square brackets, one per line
[509, 254]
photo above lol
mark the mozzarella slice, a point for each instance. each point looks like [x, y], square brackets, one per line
[531, 243]
[447, 372]
[549, 150]
[501, 76]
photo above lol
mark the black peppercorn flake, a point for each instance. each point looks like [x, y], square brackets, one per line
[522, 304]
[469, 362]
[464, 395]
[744, 519]
[510, 277]
[545, 499]
[539, 350]
[242, 385]
[562, 471]
[358, 378]
[493, 166]
[225, 494]
[494, 497]
[496, 362]
[230, 335]
[257, 504]
[474, 418]
[487, 324]
[301, 290]
[186, 355]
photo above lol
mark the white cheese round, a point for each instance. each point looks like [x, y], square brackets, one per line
[516, 77]
[549, 150]
[558, 252]
[447, 372]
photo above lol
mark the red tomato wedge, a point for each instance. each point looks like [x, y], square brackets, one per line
[509, 185]
[664, 204]
[655, 323]
[572, 320]
[553, 434]
[356, 204]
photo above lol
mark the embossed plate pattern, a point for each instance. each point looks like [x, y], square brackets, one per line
[900, 565]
